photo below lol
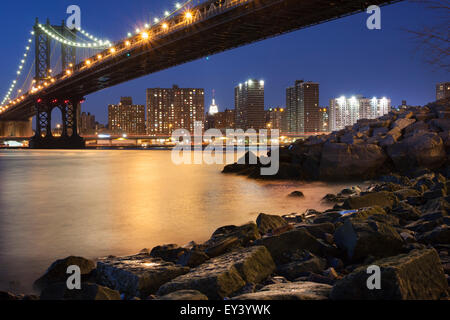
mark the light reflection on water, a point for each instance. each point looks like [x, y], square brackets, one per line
[95, 203]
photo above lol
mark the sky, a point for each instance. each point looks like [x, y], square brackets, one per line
[343, 55]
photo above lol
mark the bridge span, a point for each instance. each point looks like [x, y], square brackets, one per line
[205, 29]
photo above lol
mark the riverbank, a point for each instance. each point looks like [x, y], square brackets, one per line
[399, 223]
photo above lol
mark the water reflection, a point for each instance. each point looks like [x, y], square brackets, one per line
[95, 203]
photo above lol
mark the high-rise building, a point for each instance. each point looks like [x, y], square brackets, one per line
[442, 90]
[126, 118]
[274, 118]
[302, 107]
[249, 105]
[345, 112]
[324, 120]
[87, 124]
[174, 108]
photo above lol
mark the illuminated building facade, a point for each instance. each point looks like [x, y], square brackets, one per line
[302, 107]
[274, 118]
[249, 105]
[345, 112]
[443, 90]
[174, 108]
[126, 118]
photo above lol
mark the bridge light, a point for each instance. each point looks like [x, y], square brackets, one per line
[71, 65]
[177, 5]
[127, 43]
[188, 15]
[144, 35]
[68, 72]
[146, 26]
[88, 62]
[166, 13]
[156, 20]
[165, 26]
[99, 56]
[112, 50]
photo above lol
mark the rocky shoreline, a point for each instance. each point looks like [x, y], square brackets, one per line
[402, 142]
[400, 224]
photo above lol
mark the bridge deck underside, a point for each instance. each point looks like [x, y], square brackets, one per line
[239, 26]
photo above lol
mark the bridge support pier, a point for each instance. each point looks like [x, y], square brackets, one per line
[69, 137]
[16, 128]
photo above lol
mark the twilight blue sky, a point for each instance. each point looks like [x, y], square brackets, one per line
[343, 56]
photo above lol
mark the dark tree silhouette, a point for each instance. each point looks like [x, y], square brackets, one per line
[434, 40]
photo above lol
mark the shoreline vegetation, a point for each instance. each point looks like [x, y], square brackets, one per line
[400, 223]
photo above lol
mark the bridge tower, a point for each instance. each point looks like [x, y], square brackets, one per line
[69, 105]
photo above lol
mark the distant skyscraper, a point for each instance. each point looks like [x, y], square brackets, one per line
[442, 90]
[174, 108]
[126, 118]
[324, 120]
[274, 118]
[345, 112]
[249, 103]
[302, 107]
[213, 108]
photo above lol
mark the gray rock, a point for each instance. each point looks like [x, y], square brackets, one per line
[417, 275]
[184, 295]
[296, 269]
[168, 252]
[438, 235]
[282, 247]
[89, 291]
[425, 150]
[290, 291]
[136, 276]
[220, 277]
[363, 239]
[343, 161]
[268, 223]
[193, 258]
[382, 199]
[57, 272]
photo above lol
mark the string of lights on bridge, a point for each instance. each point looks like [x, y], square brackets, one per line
[19, 71]
[97, 44]
[143, 34]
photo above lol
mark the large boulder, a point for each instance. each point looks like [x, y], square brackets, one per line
[283, 246]
[193, 258]
[417, 275]
[342, 161]
[362, 239]
[168, 252]
[268, 223]
[89, 291]
[424, 150]
[222, 276]
[290, 291]
[382, 199]
[136, 276]
[439, 235]
[295, 269]
[57, 272]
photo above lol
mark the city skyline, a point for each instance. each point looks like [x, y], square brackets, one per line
[302, 54]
